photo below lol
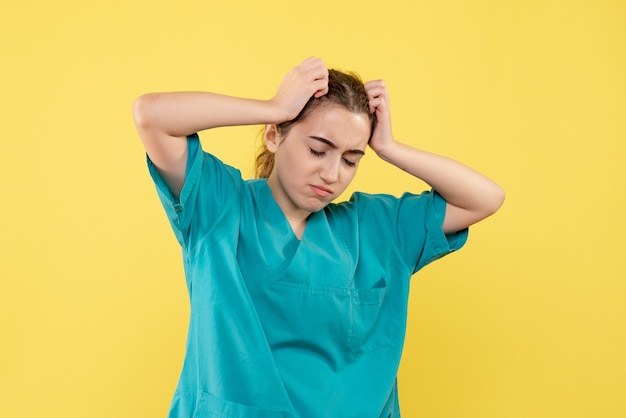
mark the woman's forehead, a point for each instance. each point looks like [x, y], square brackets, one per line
[337, 125]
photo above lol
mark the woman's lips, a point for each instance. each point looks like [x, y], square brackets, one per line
[321, 190]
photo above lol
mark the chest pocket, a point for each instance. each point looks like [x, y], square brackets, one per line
[307, 319]
[371, 328]
[329, 321]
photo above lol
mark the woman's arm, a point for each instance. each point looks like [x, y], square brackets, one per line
[163, 120]
[470, 196]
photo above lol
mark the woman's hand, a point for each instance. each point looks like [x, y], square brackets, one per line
[470, 196]
[378, 97]
[309, 78]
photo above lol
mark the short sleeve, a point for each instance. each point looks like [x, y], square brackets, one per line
[411, 225]
[210, 188]
[436, 243]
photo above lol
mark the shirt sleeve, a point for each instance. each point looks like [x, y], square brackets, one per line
[436, 243]
[210, 188]
[409, 227]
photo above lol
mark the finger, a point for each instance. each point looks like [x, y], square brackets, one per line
[377, 94]
[319, 73]
[311, 75]
[379, 102]
[319, 79]
[375, 84]
[312, 65]
[309, 70]
[310, 62]
[374, 104]
[378, 98]
[376, 89]
[322, 87]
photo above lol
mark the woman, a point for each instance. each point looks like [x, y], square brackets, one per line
[298, 304]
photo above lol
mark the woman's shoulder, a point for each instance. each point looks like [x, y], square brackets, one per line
[381, 211]
[372, 202]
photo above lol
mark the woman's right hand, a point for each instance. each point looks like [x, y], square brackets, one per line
[309, 78]
[163, 120]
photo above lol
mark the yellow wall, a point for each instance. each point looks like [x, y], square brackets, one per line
[529, 320]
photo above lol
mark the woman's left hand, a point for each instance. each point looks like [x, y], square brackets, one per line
[379, 104]
[470, 196]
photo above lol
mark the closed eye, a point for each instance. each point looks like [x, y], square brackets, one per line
[349, 163]
[320, 154]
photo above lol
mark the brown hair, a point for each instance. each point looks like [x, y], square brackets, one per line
[344, 89]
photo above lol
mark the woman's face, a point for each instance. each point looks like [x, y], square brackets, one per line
[317, 159]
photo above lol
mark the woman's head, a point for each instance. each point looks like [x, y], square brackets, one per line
[310, 160]
[345, 90]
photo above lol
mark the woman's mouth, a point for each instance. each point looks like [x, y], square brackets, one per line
[321, 191]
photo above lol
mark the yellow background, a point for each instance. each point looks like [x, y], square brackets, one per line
[528, 320]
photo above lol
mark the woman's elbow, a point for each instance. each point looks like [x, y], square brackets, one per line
[143, 109]
[495, 201]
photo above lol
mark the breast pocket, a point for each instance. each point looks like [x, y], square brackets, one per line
[371, 328]
[211, 406]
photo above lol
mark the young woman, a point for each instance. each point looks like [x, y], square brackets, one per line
[298, 304]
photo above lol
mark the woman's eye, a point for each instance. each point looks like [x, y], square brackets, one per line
[349, 163]
[317, 153]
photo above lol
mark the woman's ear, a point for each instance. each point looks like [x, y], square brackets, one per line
[271, 138]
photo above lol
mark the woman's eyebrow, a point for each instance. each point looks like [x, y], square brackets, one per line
[332, 145]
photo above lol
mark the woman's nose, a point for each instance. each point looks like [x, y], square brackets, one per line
[330, 171]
